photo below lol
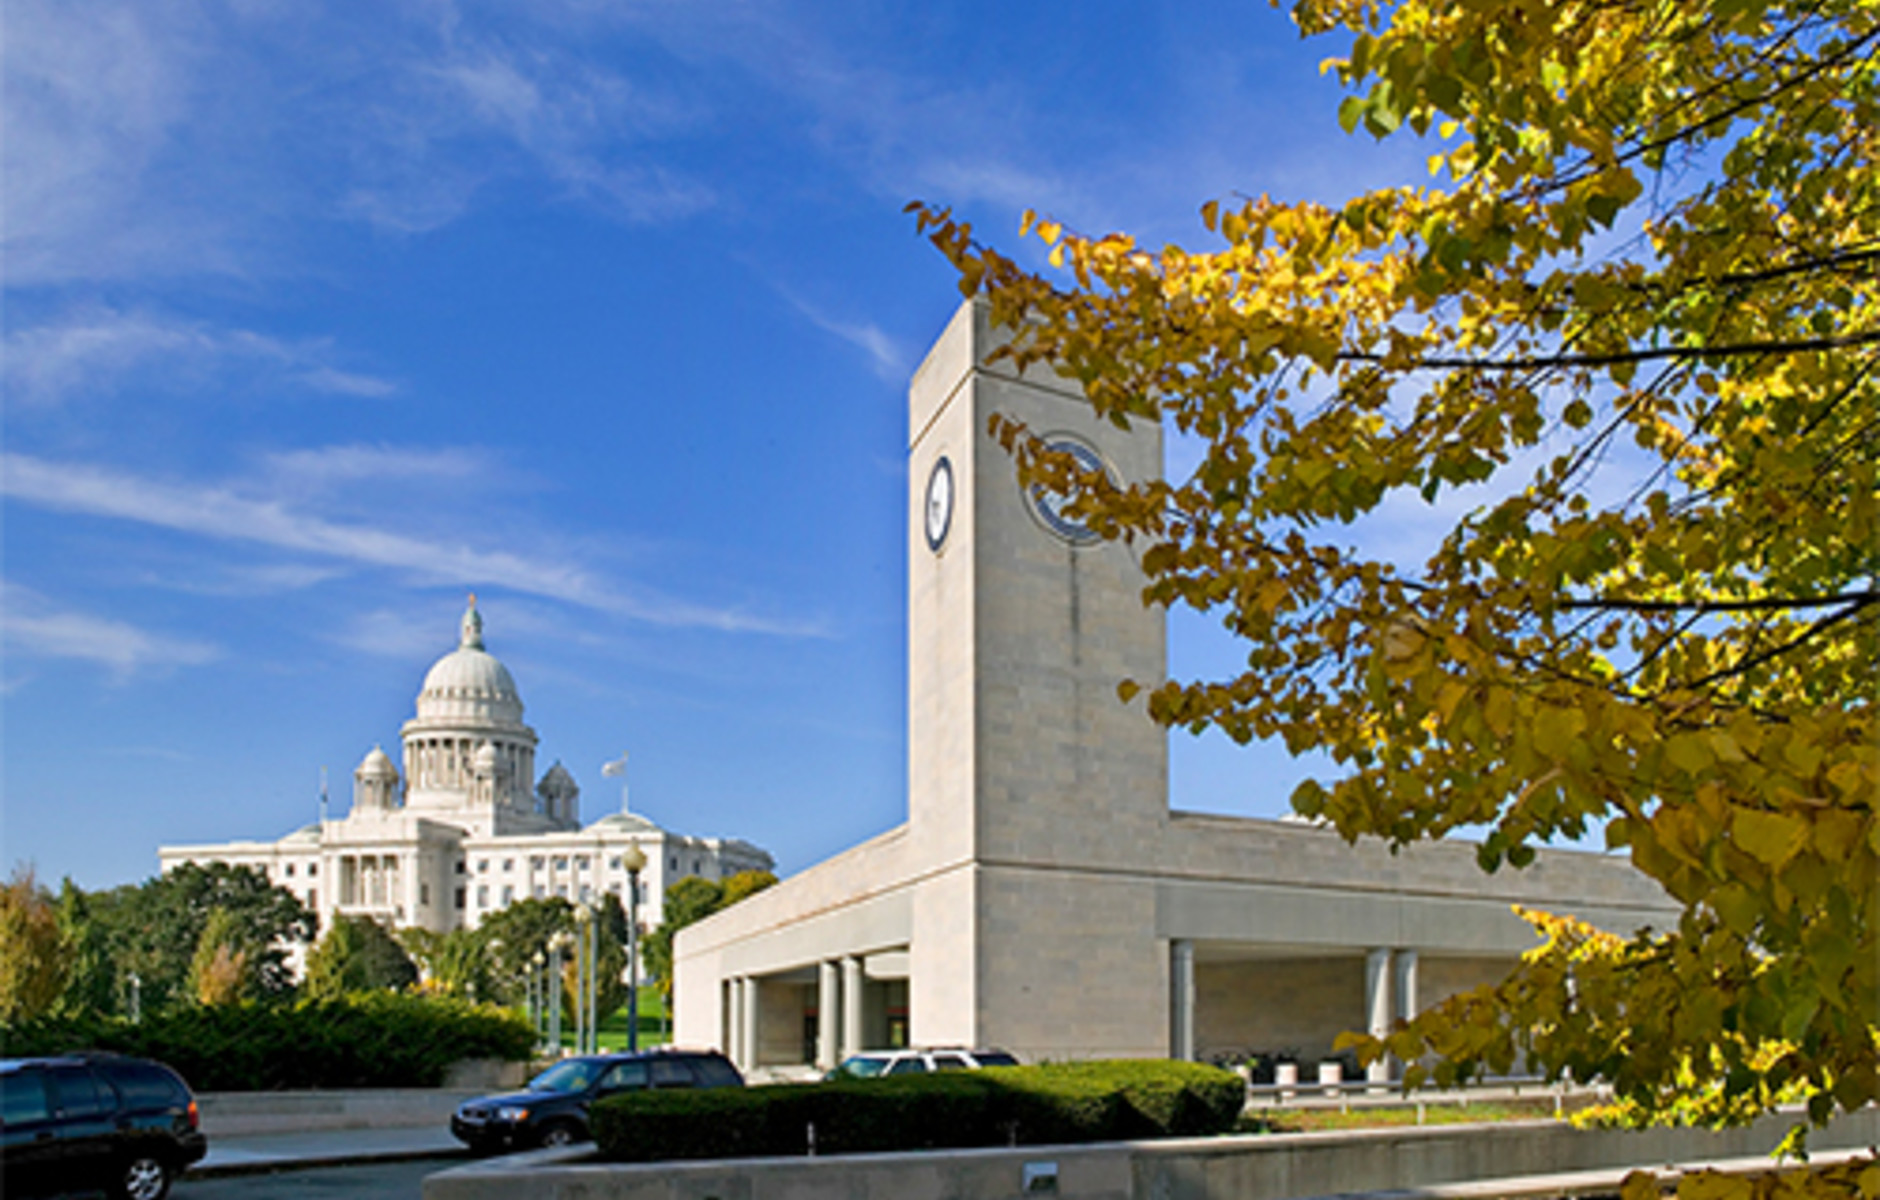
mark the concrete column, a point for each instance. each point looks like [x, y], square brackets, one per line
[1406, 984]
[1181, 977]
[1378, 1009]
[747, 1033]
[852, 992]
[734, 1021]
[728, 1018]
[828, 1007]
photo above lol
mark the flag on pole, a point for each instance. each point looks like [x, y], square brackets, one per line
[616, 767]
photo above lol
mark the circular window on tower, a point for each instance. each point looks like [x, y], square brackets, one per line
[1047, 507]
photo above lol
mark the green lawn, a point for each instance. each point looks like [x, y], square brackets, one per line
[614, 1028]
[1310, 1120]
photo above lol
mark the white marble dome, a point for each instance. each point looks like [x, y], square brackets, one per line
[470, 683]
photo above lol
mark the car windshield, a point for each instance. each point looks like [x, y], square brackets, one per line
[863, 1068]
[573, 1075]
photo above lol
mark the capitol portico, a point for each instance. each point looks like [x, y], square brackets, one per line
[468, 829]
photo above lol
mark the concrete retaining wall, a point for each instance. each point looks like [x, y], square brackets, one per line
[248, 1114]
[1269, 1167]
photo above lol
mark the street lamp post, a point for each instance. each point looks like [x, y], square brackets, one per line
[555, 945]
[635, 861]
[585, 1034]
[538, 1008]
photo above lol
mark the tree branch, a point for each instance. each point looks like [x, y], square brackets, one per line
[1649, 354]
[1765, 604]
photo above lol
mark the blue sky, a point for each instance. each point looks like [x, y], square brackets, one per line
[319, 316]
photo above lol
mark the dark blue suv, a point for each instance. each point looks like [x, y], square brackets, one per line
[85, 1121]
[553, 1110]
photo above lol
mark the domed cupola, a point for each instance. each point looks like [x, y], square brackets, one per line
[469, 683]
[467, 746]
[375, 782]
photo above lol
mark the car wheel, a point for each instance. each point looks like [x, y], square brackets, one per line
[143, 1178]
[561, 1133]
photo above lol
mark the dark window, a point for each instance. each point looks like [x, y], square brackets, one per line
[459, 897]
[908, 1066]
[623, 1076]
[290, 870]
[460, 866]
[23, 1097]
[950, 1062]
[715, 1072]
[670, 1073]
[78, 1094]
[996, 1058]
[144, 1086]
[313, 868]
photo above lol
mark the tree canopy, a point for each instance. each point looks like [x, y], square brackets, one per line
[1623, 344]
[34, 950]
[690, 900]
[357, 955]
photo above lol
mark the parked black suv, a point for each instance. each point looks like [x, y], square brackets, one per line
[553, 1111]
[87, 1121]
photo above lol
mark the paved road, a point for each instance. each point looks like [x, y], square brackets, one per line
[378, 1181]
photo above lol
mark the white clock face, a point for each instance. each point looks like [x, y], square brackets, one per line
[939, 503]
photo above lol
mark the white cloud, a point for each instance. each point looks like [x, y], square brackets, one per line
[36, 628]
[885, 354]
[328, 465]
[96, 350]
[225, 514]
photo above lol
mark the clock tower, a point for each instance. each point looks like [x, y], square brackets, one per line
[1028, 777]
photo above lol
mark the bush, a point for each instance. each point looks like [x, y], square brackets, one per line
[361, 1041]
[1071, 1102]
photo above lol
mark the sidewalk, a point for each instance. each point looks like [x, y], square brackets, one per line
[257, 1153]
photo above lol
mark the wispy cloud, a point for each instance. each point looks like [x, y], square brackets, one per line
[99, 349]
[885, 354]
[533, 111]
[326, 465]
[35, 627]
[225, 514]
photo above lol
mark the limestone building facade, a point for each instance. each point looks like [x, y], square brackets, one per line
[467, 828]
[1042, 895]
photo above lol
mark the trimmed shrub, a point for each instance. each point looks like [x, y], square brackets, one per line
[371, 1040]
[1072, 1102]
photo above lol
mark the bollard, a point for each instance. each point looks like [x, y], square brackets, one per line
[1331, 1074]
[1286, 1074]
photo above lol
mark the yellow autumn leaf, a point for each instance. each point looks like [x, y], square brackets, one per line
[1769, 837]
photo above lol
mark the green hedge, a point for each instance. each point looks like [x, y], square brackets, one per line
[1070, 1102]
[382, 1039]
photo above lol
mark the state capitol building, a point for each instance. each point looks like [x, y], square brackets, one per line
[468, 828]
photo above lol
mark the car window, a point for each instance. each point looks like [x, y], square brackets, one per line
[23, 1097]
[78, 1094]
[951, 1062]
[862, 1067]
[908, 1066]
[996, 1058]
[569, 1075]
[622, 1076]
[716, 1072]
[670, 1073]
[144, 1085]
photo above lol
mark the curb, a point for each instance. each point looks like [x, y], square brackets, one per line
[273, 1166]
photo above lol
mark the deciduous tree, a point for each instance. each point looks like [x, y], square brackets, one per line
[34, 961]
[690, 900]
[358, 955]
[1626, 340]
